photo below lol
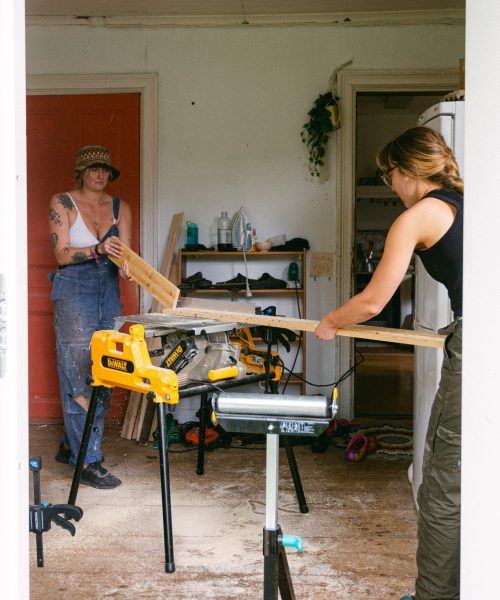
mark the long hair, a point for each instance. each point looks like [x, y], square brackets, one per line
[422, 152]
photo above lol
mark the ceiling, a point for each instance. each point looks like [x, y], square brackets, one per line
[236, 11]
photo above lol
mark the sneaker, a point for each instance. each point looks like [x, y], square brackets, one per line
[238, 282]
[408, 598]
[97, 476]
[63, 454]
[267, 282]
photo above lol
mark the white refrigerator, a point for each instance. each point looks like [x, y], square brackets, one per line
[432, 306]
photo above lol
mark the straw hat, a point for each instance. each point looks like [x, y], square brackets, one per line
[95, 156]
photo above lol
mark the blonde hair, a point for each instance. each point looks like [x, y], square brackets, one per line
[422, 152]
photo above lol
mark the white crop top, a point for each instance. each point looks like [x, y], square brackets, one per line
[79, 234]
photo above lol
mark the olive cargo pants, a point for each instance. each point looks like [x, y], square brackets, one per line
[438, 554]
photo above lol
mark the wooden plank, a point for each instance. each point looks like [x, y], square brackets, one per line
[131, 415]
[169, 254]
[165, 292]
[166, 268]
[154, 426]
[140, 417]
[366, 332]
[218, 305]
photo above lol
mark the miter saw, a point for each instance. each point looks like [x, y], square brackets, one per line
[202, 350]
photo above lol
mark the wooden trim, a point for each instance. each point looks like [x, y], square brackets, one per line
[333, 18]
[349, 83]
[381, 334]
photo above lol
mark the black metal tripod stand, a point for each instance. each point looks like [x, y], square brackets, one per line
[164, 468]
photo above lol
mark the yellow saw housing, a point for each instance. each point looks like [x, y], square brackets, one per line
[122, 359]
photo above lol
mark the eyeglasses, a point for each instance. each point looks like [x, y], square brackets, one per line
[387, 177]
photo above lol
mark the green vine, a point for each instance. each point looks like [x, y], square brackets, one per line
[315, 132]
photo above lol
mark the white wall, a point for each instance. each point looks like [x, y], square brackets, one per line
[232, 103]
[480, 394]
[14, 499]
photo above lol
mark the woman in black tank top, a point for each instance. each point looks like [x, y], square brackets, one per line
[421, 169]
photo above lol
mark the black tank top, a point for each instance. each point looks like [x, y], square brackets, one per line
[444, 260]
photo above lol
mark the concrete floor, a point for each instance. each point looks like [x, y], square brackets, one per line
[359, 536]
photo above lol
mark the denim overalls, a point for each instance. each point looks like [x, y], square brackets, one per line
[86, 299]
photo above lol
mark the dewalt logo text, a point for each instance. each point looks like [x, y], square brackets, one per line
[173, 356]
[117, 364]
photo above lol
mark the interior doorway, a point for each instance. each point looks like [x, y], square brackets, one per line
[57, 125]
[383, 382]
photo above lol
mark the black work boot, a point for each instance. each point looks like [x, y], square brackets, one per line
[98, 477]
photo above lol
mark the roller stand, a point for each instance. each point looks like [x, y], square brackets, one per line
[274, 415]
[270, 336]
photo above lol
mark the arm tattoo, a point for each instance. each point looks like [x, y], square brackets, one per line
[79, 257]
[65, 201]
[54, 238]
[55, 217]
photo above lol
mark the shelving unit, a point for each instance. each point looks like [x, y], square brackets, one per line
[223, 266]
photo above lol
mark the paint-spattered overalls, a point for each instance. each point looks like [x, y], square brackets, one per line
[86, 299]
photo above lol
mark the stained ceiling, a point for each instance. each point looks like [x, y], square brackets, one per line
[238, 11]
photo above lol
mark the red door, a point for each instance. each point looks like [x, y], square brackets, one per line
[56, 127]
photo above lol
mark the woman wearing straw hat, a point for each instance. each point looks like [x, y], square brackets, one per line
[86, 225]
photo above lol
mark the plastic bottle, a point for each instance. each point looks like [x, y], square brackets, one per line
[224, 234]
[248, 238]
[191, 236]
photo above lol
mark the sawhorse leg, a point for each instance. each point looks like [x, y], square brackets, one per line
[89, 422]
[165, 488]
[200, 467]
[297, 482]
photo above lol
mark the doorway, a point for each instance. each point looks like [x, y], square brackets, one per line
[349, 85]
[57, 125]
[383, 382]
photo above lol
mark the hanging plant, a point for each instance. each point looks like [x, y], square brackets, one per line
[323, 119]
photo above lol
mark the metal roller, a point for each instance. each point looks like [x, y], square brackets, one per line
[317, 407]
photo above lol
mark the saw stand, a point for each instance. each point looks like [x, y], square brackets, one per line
[164, 467]
[274, 415]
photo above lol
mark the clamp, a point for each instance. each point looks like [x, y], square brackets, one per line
[42, 514]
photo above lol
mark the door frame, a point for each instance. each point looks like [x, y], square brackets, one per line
[349, 83]
[124, 83]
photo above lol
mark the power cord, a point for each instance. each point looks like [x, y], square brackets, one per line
[299, 344]
[342, 378]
